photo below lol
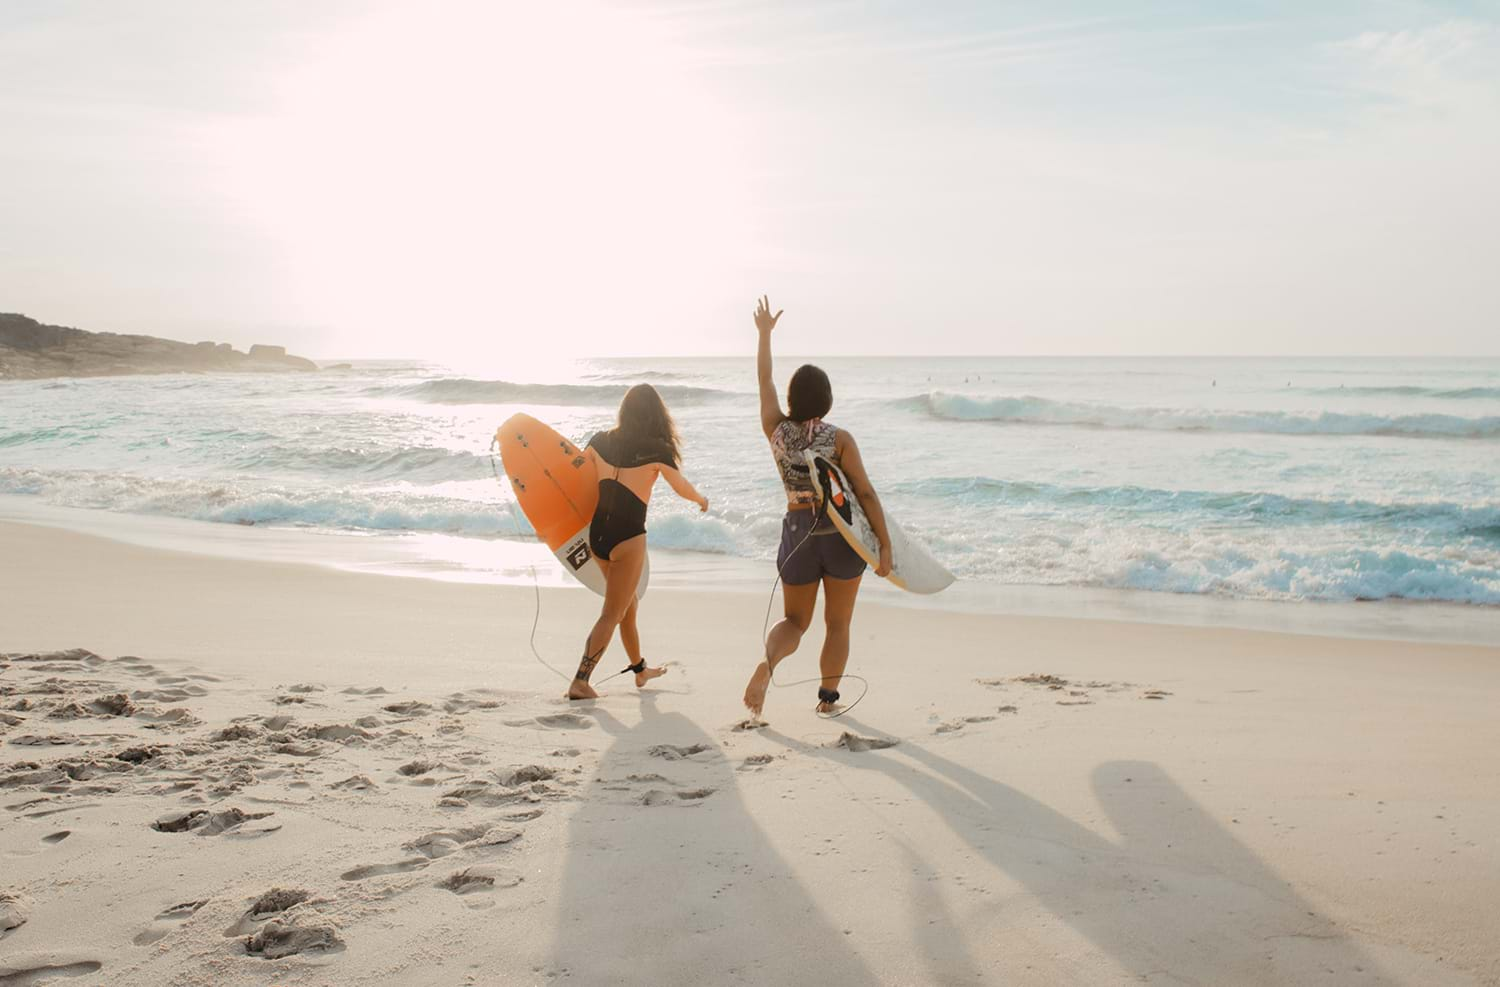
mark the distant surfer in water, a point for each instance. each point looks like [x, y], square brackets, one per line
[629, 458]
[811, 554]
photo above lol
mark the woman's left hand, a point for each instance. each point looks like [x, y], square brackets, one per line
[764, 320]
[884, 568]
[702, 505]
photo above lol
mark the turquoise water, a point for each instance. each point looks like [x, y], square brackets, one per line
[1326, 479]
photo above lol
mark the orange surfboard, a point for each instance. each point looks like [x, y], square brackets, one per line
[558, 488]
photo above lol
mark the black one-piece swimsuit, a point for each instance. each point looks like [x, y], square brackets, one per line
[621, 515]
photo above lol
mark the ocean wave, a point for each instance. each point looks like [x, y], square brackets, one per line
[1411, 391]
[636, 376]
[466, 390]
[1436, 517]
[1338, 576]
[424, 464]
[1242, 545]
[1028, 410]
[251, 503]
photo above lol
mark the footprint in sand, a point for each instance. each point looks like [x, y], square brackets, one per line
[15, 909]
[340, 732]
[374, 690]
[446, 841]
[564, 721]
[167, 921]
[525, 775]
[461, 702]
[755, 762]
[48, 740]
[410, 707]
[52, 812]
[273, 902]
[293, 935]
[379, 870]
[355, 783]
[238, 731]
[479, 878]
[205, 823]
[953, 726]
[858, 744]
[673, 753]
[12, 976]
[57, 837]
[481, 792]
[658, 797]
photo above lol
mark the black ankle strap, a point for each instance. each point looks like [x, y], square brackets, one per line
[637, 668]
[829, 696]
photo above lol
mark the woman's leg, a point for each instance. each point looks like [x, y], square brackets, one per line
[800, 602]
[630, 636]
[621, 574]
[838, 613]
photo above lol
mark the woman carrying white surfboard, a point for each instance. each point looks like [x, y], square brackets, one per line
[811, 554]
[629, 458]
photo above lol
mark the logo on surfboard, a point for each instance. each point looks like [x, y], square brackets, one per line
[578, 556]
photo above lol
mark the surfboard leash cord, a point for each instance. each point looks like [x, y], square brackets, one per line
[536, 585]
[536, 614]
[765, 628]
[536, 588]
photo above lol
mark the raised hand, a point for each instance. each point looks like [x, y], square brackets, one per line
[764, 320]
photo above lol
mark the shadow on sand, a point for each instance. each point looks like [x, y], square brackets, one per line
[1174, 897]
[659, 889]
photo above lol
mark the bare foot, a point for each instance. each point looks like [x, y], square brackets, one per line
[828, 707]
[755, 692]
[581, 690]
[649, 673]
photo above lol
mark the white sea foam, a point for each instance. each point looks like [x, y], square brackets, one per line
[1260, 479]
[1029, 410]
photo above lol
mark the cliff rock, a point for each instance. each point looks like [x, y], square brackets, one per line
[30, 349]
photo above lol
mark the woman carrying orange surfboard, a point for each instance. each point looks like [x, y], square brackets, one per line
[811, 551]
[628, 458]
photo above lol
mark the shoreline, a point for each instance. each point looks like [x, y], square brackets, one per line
[1201, 804]
[516, 562]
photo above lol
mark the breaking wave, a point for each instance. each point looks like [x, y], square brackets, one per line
[1027, 410]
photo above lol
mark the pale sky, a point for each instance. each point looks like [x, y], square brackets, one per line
[463, 181]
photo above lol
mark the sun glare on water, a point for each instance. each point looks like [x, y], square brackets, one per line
[474, 182]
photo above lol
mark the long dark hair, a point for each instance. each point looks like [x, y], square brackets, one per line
[645, 418]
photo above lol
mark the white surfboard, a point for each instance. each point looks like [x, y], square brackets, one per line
[578, 560]
[913, 566]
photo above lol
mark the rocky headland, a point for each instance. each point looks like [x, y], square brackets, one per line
[30, 350]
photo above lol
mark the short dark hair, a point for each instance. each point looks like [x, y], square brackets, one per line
[809, 395]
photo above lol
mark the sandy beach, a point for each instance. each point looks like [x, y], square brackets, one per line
[262, 772]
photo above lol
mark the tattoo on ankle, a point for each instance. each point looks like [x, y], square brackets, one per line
[586, 668]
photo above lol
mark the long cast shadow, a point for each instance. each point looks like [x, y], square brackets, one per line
[711, 902]
[1175, 896]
